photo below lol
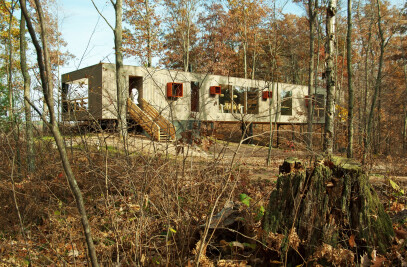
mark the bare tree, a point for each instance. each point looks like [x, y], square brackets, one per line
[46, 82]
[350, 86]
[330, 76]
[27, 107]
[312, 13]
[122, 92]
[378, 83]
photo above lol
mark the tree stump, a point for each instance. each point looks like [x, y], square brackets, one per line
[330, 204]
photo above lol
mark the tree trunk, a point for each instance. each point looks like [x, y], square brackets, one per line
[350, 86]
[10, 66]
[254, 57]
[405, 111]
[405, 130]
[329, 204]
[27, 107]
[378, 84]
[45, 73]
[270, 127]
[122, 92]
[312, 15]
[366, 92]
[330, 77]
[245, 42]
[276, 116]
[149, 37]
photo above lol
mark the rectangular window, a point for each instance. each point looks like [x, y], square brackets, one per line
[195, 96]
[75, 95]
[215, 90]
[225, 103]
[319, 107]
[239, 99]
[253, 100]
[175, 90]
[286, 103]
[65, 91]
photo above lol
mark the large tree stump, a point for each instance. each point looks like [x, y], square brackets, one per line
[331, 204]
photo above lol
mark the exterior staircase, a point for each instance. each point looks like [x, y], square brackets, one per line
[158, 127]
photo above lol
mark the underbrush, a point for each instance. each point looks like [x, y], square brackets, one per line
[143, 209]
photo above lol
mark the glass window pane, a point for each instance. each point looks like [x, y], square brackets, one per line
[286, 103]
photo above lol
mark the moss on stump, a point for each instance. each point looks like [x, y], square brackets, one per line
[332, 203]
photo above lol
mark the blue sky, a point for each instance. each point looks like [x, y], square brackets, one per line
[80, 24]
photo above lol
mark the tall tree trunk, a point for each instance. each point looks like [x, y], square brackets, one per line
[46, 81]
[350, 86]
[378, 84]
[405, 112]
[271, 126]
[312, 13]
[122, 92]
[254, 57]
[27, 107]
[186, 50]
[14, 127]
[330, 77]
[149, 37]
[273, 67]
[404, 129]
[245, 42]
[366, 91]
[10, 69]
[277, 112]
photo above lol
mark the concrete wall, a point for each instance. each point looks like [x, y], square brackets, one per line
[94, 76]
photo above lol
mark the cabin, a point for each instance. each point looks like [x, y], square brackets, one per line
[166, 103]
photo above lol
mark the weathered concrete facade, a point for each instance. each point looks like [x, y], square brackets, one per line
[239, 100]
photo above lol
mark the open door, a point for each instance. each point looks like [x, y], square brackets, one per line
[136, 88]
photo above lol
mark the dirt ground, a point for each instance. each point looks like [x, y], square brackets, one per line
[253, 157]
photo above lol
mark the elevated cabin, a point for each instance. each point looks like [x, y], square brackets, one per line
[174, 99]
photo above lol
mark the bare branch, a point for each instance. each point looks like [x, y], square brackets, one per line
[100, 13]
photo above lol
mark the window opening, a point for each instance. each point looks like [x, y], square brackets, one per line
[75, 95]
[286, 103]
[319, 108]
[239, 99]
[175, 90]
[225, 102]
[253, 100]
[195, 96]
[215, 90]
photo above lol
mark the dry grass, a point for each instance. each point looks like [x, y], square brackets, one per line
[148, 208]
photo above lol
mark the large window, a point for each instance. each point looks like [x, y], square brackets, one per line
[319, 108]
[239, 99]
[286, 103]
[225, 102]
[252, 100]
[195, 96]
[75, 95]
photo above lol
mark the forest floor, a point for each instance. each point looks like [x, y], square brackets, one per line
[149, 207]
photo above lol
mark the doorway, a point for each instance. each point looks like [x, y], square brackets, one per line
[136, 88]
[195, 96]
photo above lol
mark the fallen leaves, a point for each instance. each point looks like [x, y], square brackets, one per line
[336, 256]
